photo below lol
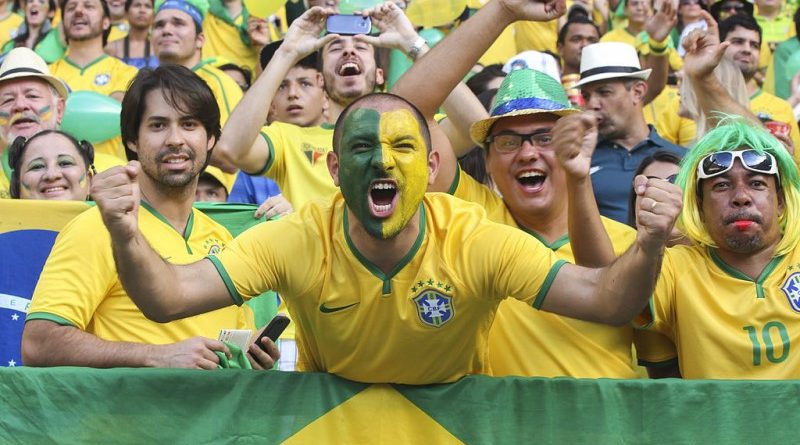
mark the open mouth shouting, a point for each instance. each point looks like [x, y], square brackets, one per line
[531, 181]
[383, 195]
[349, 68]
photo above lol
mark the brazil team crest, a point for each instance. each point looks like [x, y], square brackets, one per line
[433, 307]
[101, 79]
[791, 287]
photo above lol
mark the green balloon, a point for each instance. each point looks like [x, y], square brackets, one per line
[91, 116]
[399, 63]
[351, 6]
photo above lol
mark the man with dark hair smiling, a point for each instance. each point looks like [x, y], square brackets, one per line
[80, 315]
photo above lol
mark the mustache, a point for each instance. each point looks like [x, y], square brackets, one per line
[169, 152]
[26, 115]
[742, 215]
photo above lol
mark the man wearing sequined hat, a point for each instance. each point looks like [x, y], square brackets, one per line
[549, 196]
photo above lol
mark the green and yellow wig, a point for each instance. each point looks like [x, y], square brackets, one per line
[735, 133]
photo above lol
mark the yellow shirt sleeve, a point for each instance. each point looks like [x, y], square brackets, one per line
[67, 289]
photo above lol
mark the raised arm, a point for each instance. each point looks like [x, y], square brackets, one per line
[163, 291]
[426, 84]
[703, 53]
[658, 27]
[617, 293]
[45, 343]
[574, 139]
[240, 142]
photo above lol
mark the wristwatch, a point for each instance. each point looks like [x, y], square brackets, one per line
[416, 48]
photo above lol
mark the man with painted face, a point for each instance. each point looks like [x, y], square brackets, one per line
[31, 100]
[291, 155]
[389, 275]
[80, 314]
[547, 196]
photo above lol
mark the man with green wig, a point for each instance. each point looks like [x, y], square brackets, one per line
[730, 301]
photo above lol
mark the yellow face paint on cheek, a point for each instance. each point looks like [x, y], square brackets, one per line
[404, 154]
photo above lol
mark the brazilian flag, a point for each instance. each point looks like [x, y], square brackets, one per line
[178, 406]
[28, 229]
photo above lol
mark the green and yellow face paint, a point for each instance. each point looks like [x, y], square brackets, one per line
[41, 115]
[383, 168]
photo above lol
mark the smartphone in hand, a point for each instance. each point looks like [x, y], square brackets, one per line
[348, 25]
[273, 329]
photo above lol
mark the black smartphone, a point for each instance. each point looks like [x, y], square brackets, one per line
[348, 25]
[273, 330]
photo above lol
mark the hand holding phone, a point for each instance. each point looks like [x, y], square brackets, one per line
[273, 329]
[348, 25]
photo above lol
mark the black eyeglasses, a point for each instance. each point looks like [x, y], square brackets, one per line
[511, 142]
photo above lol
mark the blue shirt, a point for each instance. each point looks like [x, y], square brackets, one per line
[612, 171]
[252, 189]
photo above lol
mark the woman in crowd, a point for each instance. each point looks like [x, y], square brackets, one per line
[51, 165]
[37, 32]
[730, 75]
[662, 165]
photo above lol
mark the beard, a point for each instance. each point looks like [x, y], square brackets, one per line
[744, 243]
[346, 97]
[9, 133]
[171, 179]
[94, 32]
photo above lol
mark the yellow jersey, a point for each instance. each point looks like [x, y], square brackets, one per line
[424, 322]
[223, 38]
[527, 342]
[536, 36]
[662, 113]
[119, 30]
[104, 75]
[769, 107]
[9, 27]
[297, 161]
[5, 175]
[726, 325]
[79, 285]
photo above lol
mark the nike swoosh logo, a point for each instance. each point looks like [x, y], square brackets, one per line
[327, 310]
[594, 170]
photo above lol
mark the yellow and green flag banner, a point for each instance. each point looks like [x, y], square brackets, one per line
[143, 406]
[28, 230]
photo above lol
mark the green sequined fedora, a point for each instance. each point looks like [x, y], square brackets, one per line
[523, 91]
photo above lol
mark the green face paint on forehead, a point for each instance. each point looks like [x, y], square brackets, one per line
[383, 168]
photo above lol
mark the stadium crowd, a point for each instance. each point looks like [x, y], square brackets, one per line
[590, 188]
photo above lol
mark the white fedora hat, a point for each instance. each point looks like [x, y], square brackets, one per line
[22, 62]
[534, 60]
[609, 60]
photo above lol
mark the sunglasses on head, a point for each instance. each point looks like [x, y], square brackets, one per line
[720, 162]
